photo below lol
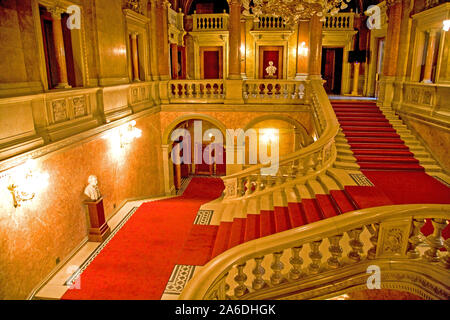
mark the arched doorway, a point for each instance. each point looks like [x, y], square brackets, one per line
[195, 147]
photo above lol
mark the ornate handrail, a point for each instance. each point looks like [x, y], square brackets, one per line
[269, 22]
[340, 21]
[196, 91]
[262, 91]
[393, 234]
[310, 160]
[210, 22]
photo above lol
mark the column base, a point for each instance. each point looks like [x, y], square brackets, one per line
[63, 86]
[234, 77]
[301, 76]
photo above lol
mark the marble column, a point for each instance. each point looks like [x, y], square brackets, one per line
[302, 50]
[163, 39]
[315, 47]
[153, 41]
[58, 43]
[431, 45]
[243, 48]
[234, 55]
[174, 51]
[392, 39]
[135, 56]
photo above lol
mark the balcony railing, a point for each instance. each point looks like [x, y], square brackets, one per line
[278, 91]
[210, 22]
[270, 23]
[340, 21]
[196, 91]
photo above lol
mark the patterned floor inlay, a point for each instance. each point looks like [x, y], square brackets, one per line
[204, 217]
[361, 180]
[75, 276]
[181, 274]
[442, 181]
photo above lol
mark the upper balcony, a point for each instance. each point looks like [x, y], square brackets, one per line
[210, 22]
[340, 21]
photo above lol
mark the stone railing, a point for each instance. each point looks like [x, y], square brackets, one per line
[196, 91]
[340, 21]
[270, 23]
[324, 258]
[427, 101]
[306, 162]
[175, 18]
[264, 91]
[210, 22]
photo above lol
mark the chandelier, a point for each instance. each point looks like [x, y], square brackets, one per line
[292, 11]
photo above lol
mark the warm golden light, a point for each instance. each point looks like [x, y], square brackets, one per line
[446, 25]
[303, 49]
[26, 181]
[268, 135]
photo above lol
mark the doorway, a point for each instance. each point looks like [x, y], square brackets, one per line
[270, 57]
[332, 60]
[211, 62]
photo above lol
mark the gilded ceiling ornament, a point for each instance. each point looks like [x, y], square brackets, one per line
[293, 11]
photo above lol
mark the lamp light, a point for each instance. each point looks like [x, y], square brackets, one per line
[446, 25]
[26, 181]
[128, 133]
[268, 135]
[303, 49]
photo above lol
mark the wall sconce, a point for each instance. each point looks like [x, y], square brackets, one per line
[446, 25]
[303, 49]
[26, 181]
[128, 133]
[268, 136]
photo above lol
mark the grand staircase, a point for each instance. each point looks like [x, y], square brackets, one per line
[368, 140]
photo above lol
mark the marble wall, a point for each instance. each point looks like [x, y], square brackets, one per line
[46, 229]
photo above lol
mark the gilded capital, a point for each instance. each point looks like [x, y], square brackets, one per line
[56, 12]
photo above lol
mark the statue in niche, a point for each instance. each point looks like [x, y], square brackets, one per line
[271, 70]
[92, 190]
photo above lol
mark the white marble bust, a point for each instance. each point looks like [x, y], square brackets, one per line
[271, 69]
[92, 190]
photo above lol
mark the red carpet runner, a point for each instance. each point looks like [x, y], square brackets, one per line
[138, 261]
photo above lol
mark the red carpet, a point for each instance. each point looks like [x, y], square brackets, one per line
[158, 230]
[386, 161]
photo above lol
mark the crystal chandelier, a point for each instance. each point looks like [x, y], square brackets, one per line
[292, 11]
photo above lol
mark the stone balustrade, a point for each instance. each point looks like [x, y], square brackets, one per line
[270, 23]
[340, 21]
[302, 164]
[210, 22]
[302, 263]
[264, 91]
[196, 91]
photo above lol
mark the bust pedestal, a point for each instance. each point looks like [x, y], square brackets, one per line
[99, 229]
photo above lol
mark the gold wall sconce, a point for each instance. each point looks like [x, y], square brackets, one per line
[26, 181]
[128, 133]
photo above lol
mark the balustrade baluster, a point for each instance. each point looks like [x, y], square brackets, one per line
[356, 244]
[248, 186]
[446, 258]
[315, 256]
[296, 261]
[277, 267]
[416, 238]
[335, 250]
[240, 278]
[373, 229]
[190, 90]
[255, 90]
[258, 183]
[258, 272]
[435, 240]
